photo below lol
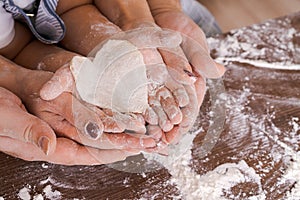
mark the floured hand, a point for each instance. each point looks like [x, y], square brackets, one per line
[76, 40]
[121, 131]
[32, 139]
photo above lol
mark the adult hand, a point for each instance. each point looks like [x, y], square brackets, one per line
[121, 131]
[67, 115]
[32, 139]
[136, 14]
[168, 14]
[97, 29]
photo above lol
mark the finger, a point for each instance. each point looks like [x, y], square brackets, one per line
[178, 92]
[194, 42]
[131, 123]
[28, 129]
[70, 153]
[156, 69]
[67, 152]
[150, 116]
[200, 86]
[155, 132]
[189, 113]
[62, 81]
[169, 105]
[140, 118]
[177, 64]
[106, 140]
[200, 59]
[106, 116]
[163, 120]
[110, 124]
[125, 141]
[174, 136]
[84, 119]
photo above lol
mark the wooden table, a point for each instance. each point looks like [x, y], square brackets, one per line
[262, 128]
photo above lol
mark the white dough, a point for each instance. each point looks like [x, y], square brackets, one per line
[115, 79]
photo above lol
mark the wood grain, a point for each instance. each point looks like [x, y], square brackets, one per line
[260, 105]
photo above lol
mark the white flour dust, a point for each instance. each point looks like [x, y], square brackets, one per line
[211, 185]
[51, 194]
[48, 193]
[220, 181]
[260, 63]
[24, 193]
[271, 42]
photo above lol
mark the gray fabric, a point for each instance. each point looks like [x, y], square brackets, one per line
[42, 20]
[201, 16]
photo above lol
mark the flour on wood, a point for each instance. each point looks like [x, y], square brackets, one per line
[115, 79]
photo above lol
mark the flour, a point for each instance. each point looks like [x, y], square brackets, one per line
[271, 42]
[24, 193]
[293, 172]
[48, 193]
[1, 198]
[38, 197]
[59, 184]
[261, 63]
[115, 79]
[210, 185]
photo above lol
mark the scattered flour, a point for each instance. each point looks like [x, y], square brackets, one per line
[24, 193]
[52, 181]
[53, 195]
[210, 185]
[38, 197]
[48, 193]
[45, 166]
[293, 172]
[260, 63]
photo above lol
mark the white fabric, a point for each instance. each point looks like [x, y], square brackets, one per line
[7, 30]
[23, 3]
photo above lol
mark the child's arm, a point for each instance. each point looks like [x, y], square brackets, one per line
[21, 39]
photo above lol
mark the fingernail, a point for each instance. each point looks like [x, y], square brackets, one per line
[92, 130]
[43, 144]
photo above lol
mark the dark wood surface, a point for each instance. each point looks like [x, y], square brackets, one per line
[261, 109]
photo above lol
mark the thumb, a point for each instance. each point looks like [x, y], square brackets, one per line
[200, 59]
[62, 81]
[28, 129]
